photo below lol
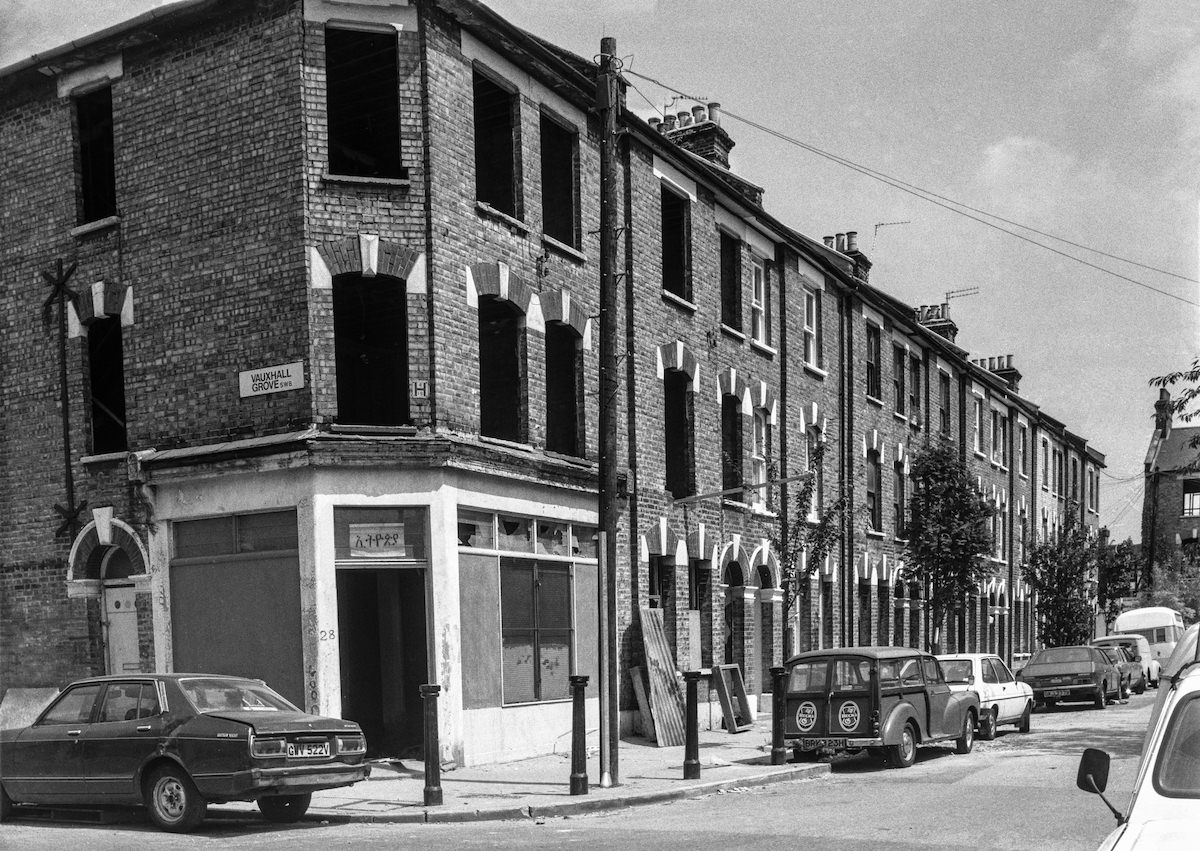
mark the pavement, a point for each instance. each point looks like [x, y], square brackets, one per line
[540, 787]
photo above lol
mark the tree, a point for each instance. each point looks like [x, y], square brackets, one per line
[1189, 379]
[1175, 585]
[949, 531]
[801, 544]
[1063, 573]
[1117, 574]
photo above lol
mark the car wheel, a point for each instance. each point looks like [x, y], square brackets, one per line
[284, 808]
[904, 754]
[1140, 688]
[1023, 724]
[987, 725]
[1123, 690]
[6, 805]
[171, 797]
[966, 741]
[1101, 698]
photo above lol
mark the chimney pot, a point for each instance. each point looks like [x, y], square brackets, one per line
[668, 123]
[828, 240]
[654, 121]
[851, 240]
[841, 242]
[697, 114]
[685, 118]
[1008, 361]
[714, 113]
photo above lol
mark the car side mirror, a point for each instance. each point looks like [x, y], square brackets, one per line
[1093, 771]
[970, 679]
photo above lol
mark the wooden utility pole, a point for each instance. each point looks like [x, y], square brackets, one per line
[608, 104]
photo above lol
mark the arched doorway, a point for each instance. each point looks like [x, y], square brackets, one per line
[765, 628]
[108, 564]
[734, 581]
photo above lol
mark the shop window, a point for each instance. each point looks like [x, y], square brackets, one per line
[476, 529]
[536, 622]
[97, 157]
[564, 389]
[501, 370]
[234, 534]
[362, 103]
[370, 338]
[874, 495]
[677, 434]
[497, 168]
[676, 244]
[731, 281]
[106, 381]
[731, 445]
[560, 182]
[873, 363]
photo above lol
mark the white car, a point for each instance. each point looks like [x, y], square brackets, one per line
[1002, 698]
[1139, 648]
[1164, 812]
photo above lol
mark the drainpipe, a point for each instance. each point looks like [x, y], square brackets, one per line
[427, 165]
[846, 405]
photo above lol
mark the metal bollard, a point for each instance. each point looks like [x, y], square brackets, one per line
[691, 735]
[778, 704]
[433, 764]
[579, 776]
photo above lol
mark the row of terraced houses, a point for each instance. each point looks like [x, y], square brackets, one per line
[300, 305]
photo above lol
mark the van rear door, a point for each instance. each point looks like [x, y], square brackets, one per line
[807, 704]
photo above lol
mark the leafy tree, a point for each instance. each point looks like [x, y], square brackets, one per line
[802, 545]
[1063, 573]
[949, 531]
[1189, 394]
[1117, 573]
[1175, 585]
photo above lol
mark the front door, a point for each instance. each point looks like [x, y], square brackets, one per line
[121, 636]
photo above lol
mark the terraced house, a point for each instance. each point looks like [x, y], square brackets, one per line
[301, 306]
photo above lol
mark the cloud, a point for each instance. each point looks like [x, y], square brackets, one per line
[1032, 180]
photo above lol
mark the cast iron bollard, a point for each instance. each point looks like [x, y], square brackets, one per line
[433, 765]
[778, 751]
[691, 734]
[579, 777]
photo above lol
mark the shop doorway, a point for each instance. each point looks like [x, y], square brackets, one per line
[383, 651]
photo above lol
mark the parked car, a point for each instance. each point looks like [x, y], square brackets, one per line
[176, 743]
[1164, 812]
[886, 700]
[1002, 698]
[1130, 671]
[1139, 648]
[1078, 672]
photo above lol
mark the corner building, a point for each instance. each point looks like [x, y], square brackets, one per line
[313, 394]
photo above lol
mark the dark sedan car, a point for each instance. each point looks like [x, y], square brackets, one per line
[1071, 673]
[176, 743]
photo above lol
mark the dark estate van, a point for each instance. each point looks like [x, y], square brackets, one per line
[887, 700]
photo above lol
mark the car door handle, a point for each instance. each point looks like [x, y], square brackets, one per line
[74, 732]
[143, 728]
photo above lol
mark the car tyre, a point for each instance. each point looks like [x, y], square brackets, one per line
[1023, 724]
[284, 808]
[966, 741]
[904, 753]
[1140, 688]
[1124, 690]
[173, 801]
[987, 725]
[1101, 698]
[6, 805]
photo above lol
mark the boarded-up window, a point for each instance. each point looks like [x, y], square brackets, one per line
[535, 605]
[731, 281]
[362, 103]
[564, 389]
[370, 328]
[677, 434]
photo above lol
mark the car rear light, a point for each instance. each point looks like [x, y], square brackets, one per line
[351, 744]
[1084, 679]
[268, 747]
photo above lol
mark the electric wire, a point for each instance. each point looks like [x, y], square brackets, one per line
[945, 203]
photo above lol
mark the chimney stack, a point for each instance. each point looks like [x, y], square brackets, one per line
[1163, 413]
[700, 132]
[936, 317]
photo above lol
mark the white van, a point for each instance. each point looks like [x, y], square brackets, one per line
[1161, 626]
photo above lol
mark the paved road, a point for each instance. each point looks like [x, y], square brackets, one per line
[1017, 792]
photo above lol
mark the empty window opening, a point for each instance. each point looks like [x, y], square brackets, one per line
[501, 370]
[560, 192]
[564, 389]
[677, 434]
[731, 445]
[362, 103]
[731, 281]
[496, 146]
[370, 330]
[676, 256]
[106, 372]
[97, 172]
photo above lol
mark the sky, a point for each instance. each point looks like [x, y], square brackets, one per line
[1076, 118]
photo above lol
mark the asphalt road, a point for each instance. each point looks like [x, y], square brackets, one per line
[1017, 792]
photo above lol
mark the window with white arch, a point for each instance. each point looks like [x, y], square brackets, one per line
[759, 450]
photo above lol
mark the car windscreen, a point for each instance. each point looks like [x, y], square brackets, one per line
[1056, 655]
[808, 676]
[956, 670]
[221, 695]
[1178, 770]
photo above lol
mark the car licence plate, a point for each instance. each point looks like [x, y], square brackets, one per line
[813, 744]
[1056, 692]
[308, 749]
